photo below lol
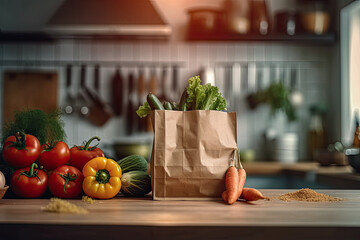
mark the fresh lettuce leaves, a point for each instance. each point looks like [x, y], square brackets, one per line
[144, 110]
[192, 91]
[204, 97]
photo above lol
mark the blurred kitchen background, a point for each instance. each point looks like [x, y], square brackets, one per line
[277, 62]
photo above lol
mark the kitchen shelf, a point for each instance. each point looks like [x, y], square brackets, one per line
[46, 37]
[329, 38]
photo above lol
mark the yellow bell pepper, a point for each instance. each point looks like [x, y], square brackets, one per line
[102, 178]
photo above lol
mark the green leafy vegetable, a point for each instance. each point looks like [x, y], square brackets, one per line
[204, 97]
[46, 127]
[277, 96]
[198, 97]
[144, 110]
[192, 90]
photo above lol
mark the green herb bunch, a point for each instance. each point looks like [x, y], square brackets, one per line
[46, 127]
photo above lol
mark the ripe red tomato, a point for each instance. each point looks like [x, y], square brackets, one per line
[80, 155]
[54, 154]
[21, 150]
[66, 182]
[28, 182]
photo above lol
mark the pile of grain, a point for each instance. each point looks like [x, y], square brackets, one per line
[62, 206]
[308, 195]
[88, 199]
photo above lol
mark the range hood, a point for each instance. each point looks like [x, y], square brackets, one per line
[108, 17]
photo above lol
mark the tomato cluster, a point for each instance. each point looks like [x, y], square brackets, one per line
[60, 167]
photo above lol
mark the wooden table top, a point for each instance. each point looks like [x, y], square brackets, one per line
[144, 213]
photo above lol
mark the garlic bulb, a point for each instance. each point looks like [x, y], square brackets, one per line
[2, 180]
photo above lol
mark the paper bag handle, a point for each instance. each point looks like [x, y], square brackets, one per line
[235, 159]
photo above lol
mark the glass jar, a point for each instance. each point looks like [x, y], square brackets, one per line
[314, 17]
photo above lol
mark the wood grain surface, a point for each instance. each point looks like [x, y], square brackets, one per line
[29, 89]
[169, 219]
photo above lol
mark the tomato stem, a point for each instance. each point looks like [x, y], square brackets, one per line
[68, 177]
[90, 140]
[31, 173]
[49, 146]
[20, 142]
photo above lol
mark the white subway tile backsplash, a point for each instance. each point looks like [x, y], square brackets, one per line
[11, 52]
[184, 53]
[241, 53]
[30, 52]
[126, 52]
[47, 52]
[203, 54]
[66, 50]
[144, 52]
[103, 52]
[164, 52]
[83, 52]
[259, 52]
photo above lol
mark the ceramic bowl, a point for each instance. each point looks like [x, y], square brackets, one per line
[353, 155]
[3, 191]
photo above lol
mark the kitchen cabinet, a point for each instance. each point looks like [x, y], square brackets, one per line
[143, 218]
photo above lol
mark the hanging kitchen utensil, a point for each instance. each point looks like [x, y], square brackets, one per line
[97, 79]
[81, 100]
[175, 86]
[163, 81]
[97, 115]
[259, 79]
[131, 118]
[100, 112]
[153, 82]
[228, 86]
[236, 86]
[209, 75]
[251, 83]
[69, 102]
[251, 97]
[117, 93]
[296, 98]
[141, 95]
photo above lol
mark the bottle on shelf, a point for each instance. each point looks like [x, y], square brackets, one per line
[316, 133]
[260, 21]
[356, 140]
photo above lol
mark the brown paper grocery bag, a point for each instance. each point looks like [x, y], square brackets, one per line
[191, 153]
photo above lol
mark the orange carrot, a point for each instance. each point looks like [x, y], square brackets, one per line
[232, 184]
[252, 194]
[242, 179]
[241, 171]
[224, 196]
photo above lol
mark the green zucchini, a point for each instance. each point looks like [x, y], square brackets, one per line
[182, 104]
[168, 106]
[175, 106]
[154, 102]
[135, 184]
[133, 163]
